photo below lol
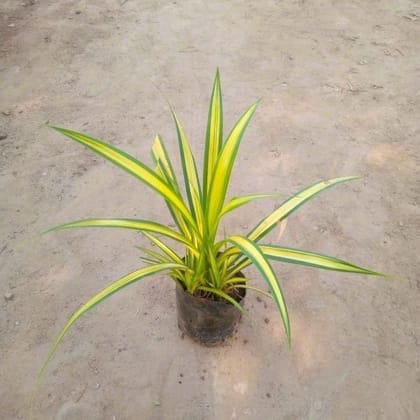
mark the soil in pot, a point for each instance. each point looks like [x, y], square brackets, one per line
[205, 319]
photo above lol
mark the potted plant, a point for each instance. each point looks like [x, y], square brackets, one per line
[210, 284]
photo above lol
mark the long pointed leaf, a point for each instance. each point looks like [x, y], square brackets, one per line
[154, 257]
[162, 160]
[164, 167]
[214, 135]
[225, 296]
[290, 205]
[136, 224]
[189, 168]
[224, 167]
[296, 256]
[104, 294]
[132, 166]
[240, 201]
[254, 253]
[163, 247]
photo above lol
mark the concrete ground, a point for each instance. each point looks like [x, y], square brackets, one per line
[340, 88]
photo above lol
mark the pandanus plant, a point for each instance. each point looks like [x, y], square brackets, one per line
[209, 266]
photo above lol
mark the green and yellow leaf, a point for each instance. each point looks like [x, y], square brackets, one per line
[225, 296]
[254, 253]
[293, 203]
[223, 169]
[161, 158]
[240, 201]
[136, 224]
[164, 248]
[104, 294]
[189, 168]
[297, 256]
[214, 135]
[132, 166]
[165, 169]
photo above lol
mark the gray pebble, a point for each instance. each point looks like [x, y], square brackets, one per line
[9, 296]
[3, 136]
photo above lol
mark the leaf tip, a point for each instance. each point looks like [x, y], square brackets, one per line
[53, 127]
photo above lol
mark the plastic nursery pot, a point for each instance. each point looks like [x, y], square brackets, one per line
[207, 321]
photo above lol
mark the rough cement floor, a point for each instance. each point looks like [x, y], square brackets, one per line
[340, 88]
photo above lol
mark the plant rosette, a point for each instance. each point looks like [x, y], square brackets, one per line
[210, 269]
